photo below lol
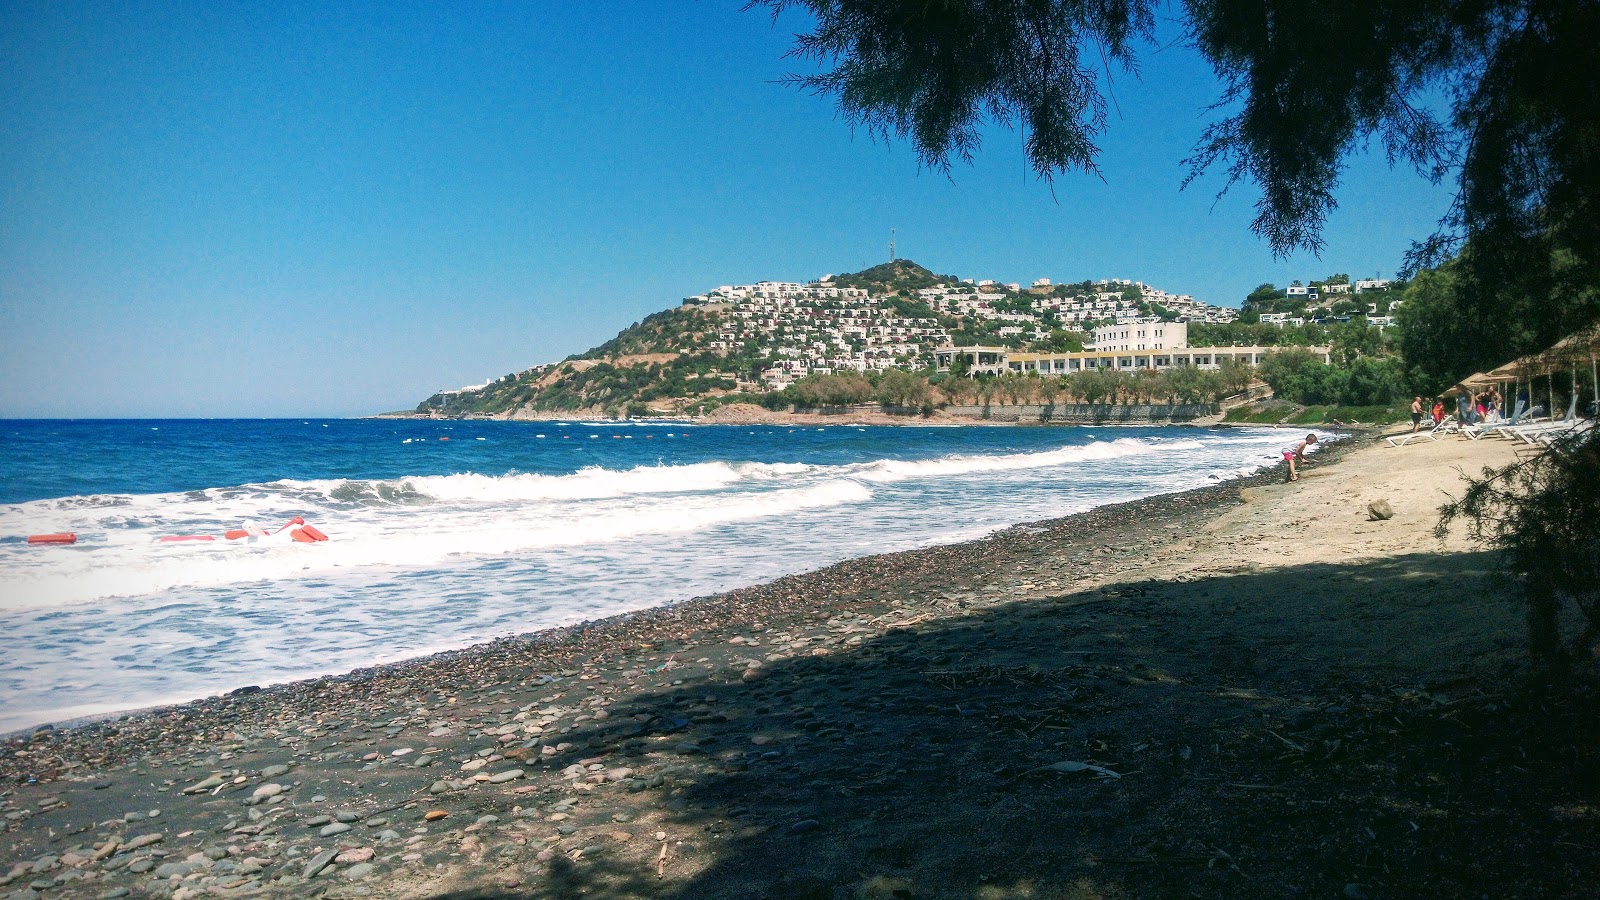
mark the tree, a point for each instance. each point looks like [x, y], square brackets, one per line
[897, 387]
[1236, 376]
[1523, 77]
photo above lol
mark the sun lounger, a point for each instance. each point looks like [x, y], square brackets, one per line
[1552, 438]
[1530, 433]
[1477, 431]
[1447, 425]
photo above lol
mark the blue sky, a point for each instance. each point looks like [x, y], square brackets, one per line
[235, 209]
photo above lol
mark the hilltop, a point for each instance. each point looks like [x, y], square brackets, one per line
[743, 343]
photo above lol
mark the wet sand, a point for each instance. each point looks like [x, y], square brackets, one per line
[1249, 690]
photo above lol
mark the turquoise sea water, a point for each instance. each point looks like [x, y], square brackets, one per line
[443, 534]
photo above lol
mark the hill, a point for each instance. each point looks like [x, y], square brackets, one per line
[739, 343]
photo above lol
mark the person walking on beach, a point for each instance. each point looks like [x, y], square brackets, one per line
[1416, 414]
[1297, 455]
[1438, 412]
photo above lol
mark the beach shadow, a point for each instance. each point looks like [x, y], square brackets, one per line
[1316, 730]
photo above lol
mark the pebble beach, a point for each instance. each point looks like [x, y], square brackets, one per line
[1245, 690]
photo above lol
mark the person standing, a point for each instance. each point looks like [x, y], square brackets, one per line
[1416, 414]
[1438, 412]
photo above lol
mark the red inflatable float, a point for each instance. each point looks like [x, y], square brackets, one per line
[299, 532]
[65, 537]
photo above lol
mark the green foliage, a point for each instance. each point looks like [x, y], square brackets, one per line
[1453, 323]
[911, 309]
[1250, 414]
[897, 387]
[1244, 333]
[1060, 341]
[932, 72]
[1298, 376]
[662, 332]
[1263, 295]
[814, 391]
[892, 278]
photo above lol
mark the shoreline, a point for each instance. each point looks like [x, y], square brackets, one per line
[1219, 692]
[1329, 454]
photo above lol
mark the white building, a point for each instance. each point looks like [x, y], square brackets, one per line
[1143, 334]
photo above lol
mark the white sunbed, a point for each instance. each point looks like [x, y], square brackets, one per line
[1521, 416]
[1447, 425]
[1530, 433]
[1549, 438]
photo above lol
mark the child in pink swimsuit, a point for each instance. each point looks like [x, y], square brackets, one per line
[1297, 455]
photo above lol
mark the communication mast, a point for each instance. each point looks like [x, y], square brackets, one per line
[891, 245]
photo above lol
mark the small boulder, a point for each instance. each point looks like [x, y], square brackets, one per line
[1379, 510]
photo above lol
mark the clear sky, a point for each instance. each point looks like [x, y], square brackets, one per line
[263, 209]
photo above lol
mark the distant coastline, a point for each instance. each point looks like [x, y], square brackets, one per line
[992, 414]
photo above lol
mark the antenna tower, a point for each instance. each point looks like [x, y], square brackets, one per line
[891, 245]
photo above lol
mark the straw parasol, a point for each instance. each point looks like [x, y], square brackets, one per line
[1471, 382]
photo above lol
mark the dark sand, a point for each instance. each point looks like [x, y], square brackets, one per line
[1122, 704]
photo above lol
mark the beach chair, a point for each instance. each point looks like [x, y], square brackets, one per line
[1478, 431]
[1552, 438]
[1530, 433]
[1446, 425]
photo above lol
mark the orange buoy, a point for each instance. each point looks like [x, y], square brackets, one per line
[236, 534]
[310, 531]
[294, 521]
[65, 537]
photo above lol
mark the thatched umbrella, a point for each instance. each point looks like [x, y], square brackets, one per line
[1471, 382]
[1570, 354]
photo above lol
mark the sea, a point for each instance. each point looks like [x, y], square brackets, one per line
[443, 534]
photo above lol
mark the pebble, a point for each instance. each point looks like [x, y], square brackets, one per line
[804, 825]
[265, 791]
[206, 785]
[434, 815]
[359, 871]
[354, 855]
[503, 777]
[274, 771]
[143, 840]
[335, 828]
[318, 863]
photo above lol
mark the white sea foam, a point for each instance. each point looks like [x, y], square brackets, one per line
[425, 520]
[128, 564]
[890, 470]
[420, 563]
